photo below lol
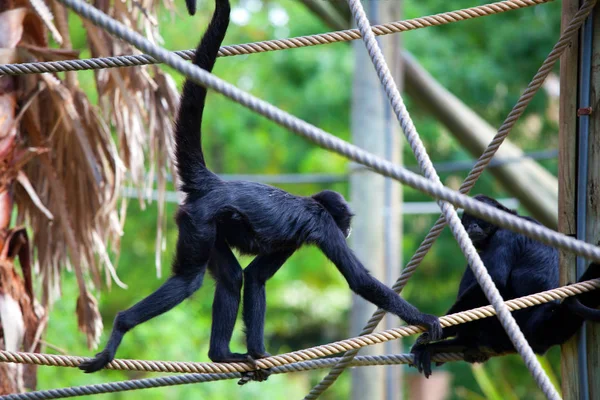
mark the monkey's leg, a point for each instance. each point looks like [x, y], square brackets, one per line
[473, 352]
[261, 269]
[576, 307]
[548, 325]
[333, 244]
[226, 270]
[193, 250]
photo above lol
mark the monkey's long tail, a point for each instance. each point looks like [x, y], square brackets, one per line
[191, 6]
[587, 313]
[188, 136]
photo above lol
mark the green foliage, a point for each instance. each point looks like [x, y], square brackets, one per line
[486, 62]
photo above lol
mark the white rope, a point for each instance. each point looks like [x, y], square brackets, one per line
[450, 214]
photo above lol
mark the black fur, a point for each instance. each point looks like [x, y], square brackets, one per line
[519, 266]
[253, 218]
[191, 6]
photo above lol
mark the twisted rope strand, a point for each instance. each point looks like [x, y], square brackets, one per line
[305, 354]
[147, 383]
[472, 177]
[274, 45]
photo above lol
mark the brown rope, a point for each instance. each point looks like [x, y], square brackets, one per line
[306, 354]
[273, 45]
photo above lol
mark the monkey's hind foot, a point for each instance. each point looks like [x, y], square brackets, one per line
[421, 359]
[258, 375]
[100, 361]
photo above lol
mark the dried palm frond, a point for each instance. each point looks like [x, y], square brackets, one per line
[68, 193]
[17, 306]
[139, 103]
[77, 182]
[165, 100]
[45, 14]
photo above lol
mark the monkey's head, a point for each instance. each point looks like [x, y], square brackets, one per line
[478, 229]
[339, 209]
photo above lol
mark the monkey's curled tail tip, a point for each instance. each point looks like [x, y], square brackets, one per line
[191, 6]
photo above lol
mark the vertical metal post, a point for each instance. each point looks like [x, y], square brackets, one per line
[376, 232]
[391, 46]
[579, 182]
[585, 74]
[590, 204]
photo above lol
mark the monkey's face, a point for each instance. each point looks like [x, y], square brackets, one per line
[479, 231]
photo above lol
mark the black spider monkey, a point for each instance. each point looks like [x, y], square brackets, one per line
[519, 266]
[253, 218]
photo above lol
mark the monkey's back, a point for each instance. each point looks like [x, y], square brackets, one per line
[259, 219]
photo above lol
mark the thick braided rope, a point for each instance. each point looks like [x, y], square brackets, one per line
[305, 354]
[147, 383]
[480, 271]
[474, 174]
[273, 45]
[332, 143]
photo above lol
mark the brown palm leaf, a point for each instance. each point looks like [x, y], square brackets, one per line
[69, 195]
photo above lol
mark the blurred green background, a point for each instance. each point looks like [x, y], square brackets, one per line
[486, 62]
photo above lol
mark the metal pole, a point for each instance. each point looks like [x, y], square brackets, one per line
[393, 208]
[367, 196]
[582, 180]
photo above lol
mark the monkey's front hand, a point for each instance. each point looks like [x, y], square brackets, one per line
[97, 363]
[432, 323]
[421, 358]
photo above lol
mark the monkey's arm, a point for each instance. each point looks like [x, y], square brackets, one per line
[333, 244]
[471, 296]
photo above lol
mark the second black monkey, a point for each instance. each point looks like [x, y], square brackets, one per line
[519, 266]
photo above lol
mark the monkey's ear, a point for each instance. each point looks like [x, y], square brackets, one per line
[191, 6]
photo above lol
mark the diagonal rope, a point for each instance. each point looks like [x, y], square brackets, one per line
[309, 353]
[473, 175]
[332, 143]
[273, 45]
[451, 216]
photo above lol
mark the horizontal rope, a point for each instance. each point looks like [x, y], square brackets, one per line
[135, 384]
[274, 45]
[306, 354]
